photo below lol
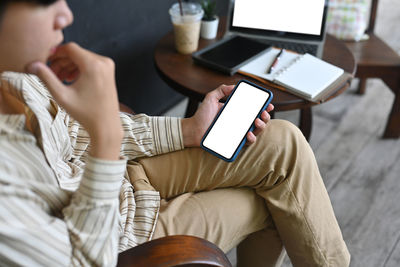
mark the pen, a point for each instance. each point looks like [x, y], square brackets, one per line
[275, 62]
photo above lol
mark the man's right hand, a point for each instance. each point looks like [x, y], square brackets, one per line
[91, 98]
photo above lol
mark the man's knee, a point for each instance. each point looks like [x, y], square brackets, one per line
[285, 127]
[282, 132]
[283, 146]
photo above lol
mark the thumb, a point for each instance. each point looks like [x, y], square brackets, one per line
[47, 76]
[221, 92]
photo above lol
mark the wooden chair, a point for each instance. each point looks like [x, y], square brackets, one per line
[375, 59]
[182, 251]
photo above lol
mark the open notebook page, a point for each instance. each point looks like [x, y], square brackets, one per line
[308, 75]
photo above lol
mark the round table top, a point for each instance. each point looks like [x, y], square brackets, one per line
[195, 81]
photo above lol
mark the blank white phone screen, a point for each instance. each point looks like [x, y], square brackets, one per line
[235, 119]
[280, 15]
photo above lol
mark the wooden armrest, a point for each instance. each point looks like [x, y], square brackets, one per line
[178, 250]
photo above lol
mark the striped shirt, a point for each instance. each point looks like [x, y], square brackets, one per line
[58, 205]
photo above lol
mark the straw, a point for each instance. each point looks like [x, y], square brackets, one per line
[180, 7]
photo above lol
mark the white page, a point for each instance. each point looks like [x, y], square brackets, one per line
[309, 75]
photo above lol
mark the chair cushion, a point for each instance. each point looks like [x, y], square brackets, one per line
[348, 19]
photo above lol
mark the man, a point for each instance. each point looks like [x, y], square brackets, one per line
[79, 184]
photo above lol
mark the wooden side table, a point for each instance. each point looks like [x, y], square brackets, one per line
[195, 81]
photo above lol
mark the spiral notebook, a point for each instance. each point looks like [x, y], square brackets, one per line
[304, 75]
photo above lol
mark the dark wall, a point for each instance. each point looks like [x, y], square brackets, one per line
[127, 31]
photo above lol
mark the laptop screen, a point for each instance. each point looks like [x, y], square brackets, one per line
[293, 18]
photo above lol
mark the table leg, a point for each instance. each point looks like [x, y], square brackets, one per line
[393, 123]
[191, 107]
[361, 86]
[306, 122]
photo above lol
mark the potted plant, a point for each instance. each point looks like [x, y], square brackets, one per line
[209, 22]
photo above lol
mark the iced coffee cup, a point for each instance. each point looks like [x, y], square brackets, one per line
[186, 26]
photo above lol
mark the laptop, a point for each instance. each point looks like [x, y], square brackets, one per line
[254, 26]
[290, 24]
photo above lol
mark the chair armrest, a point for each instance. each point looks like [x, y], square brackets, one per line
[178, 250]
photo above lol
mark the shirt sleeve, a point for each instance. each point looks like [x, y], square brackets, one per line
[85, 234]
[144, 136]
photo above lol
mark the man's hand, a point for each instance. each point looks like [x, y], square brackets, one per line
[195, 127]
[91, 98]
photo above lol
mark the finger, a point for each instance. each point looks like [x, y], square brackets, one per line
[270, 108]
[265, 117]
[221, 92]
[227, 89]
[251, 138]
[46, 75]
[259, 126]
[73, 52]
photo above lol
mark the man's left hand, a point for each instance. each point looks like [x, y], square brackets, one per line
[194, 128]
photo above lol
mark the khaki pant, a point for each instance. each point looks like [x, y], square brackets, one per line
[271, 196]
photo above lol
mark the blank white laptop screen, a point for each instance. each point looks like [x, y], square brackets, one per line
[280, 15]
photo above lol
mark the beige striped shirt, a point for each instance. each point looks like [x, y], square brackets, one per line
[58, 205]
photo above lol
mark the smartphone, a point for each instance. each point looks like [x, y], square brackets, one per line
[227, 133]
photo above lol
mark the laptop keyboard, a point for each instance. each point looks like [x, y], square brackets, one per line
[299, 48]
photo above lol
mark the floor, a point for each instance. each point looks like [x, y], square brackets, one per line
[361, 171]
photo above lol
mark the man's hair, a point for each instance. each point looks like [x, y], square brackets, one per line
[5, 3]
